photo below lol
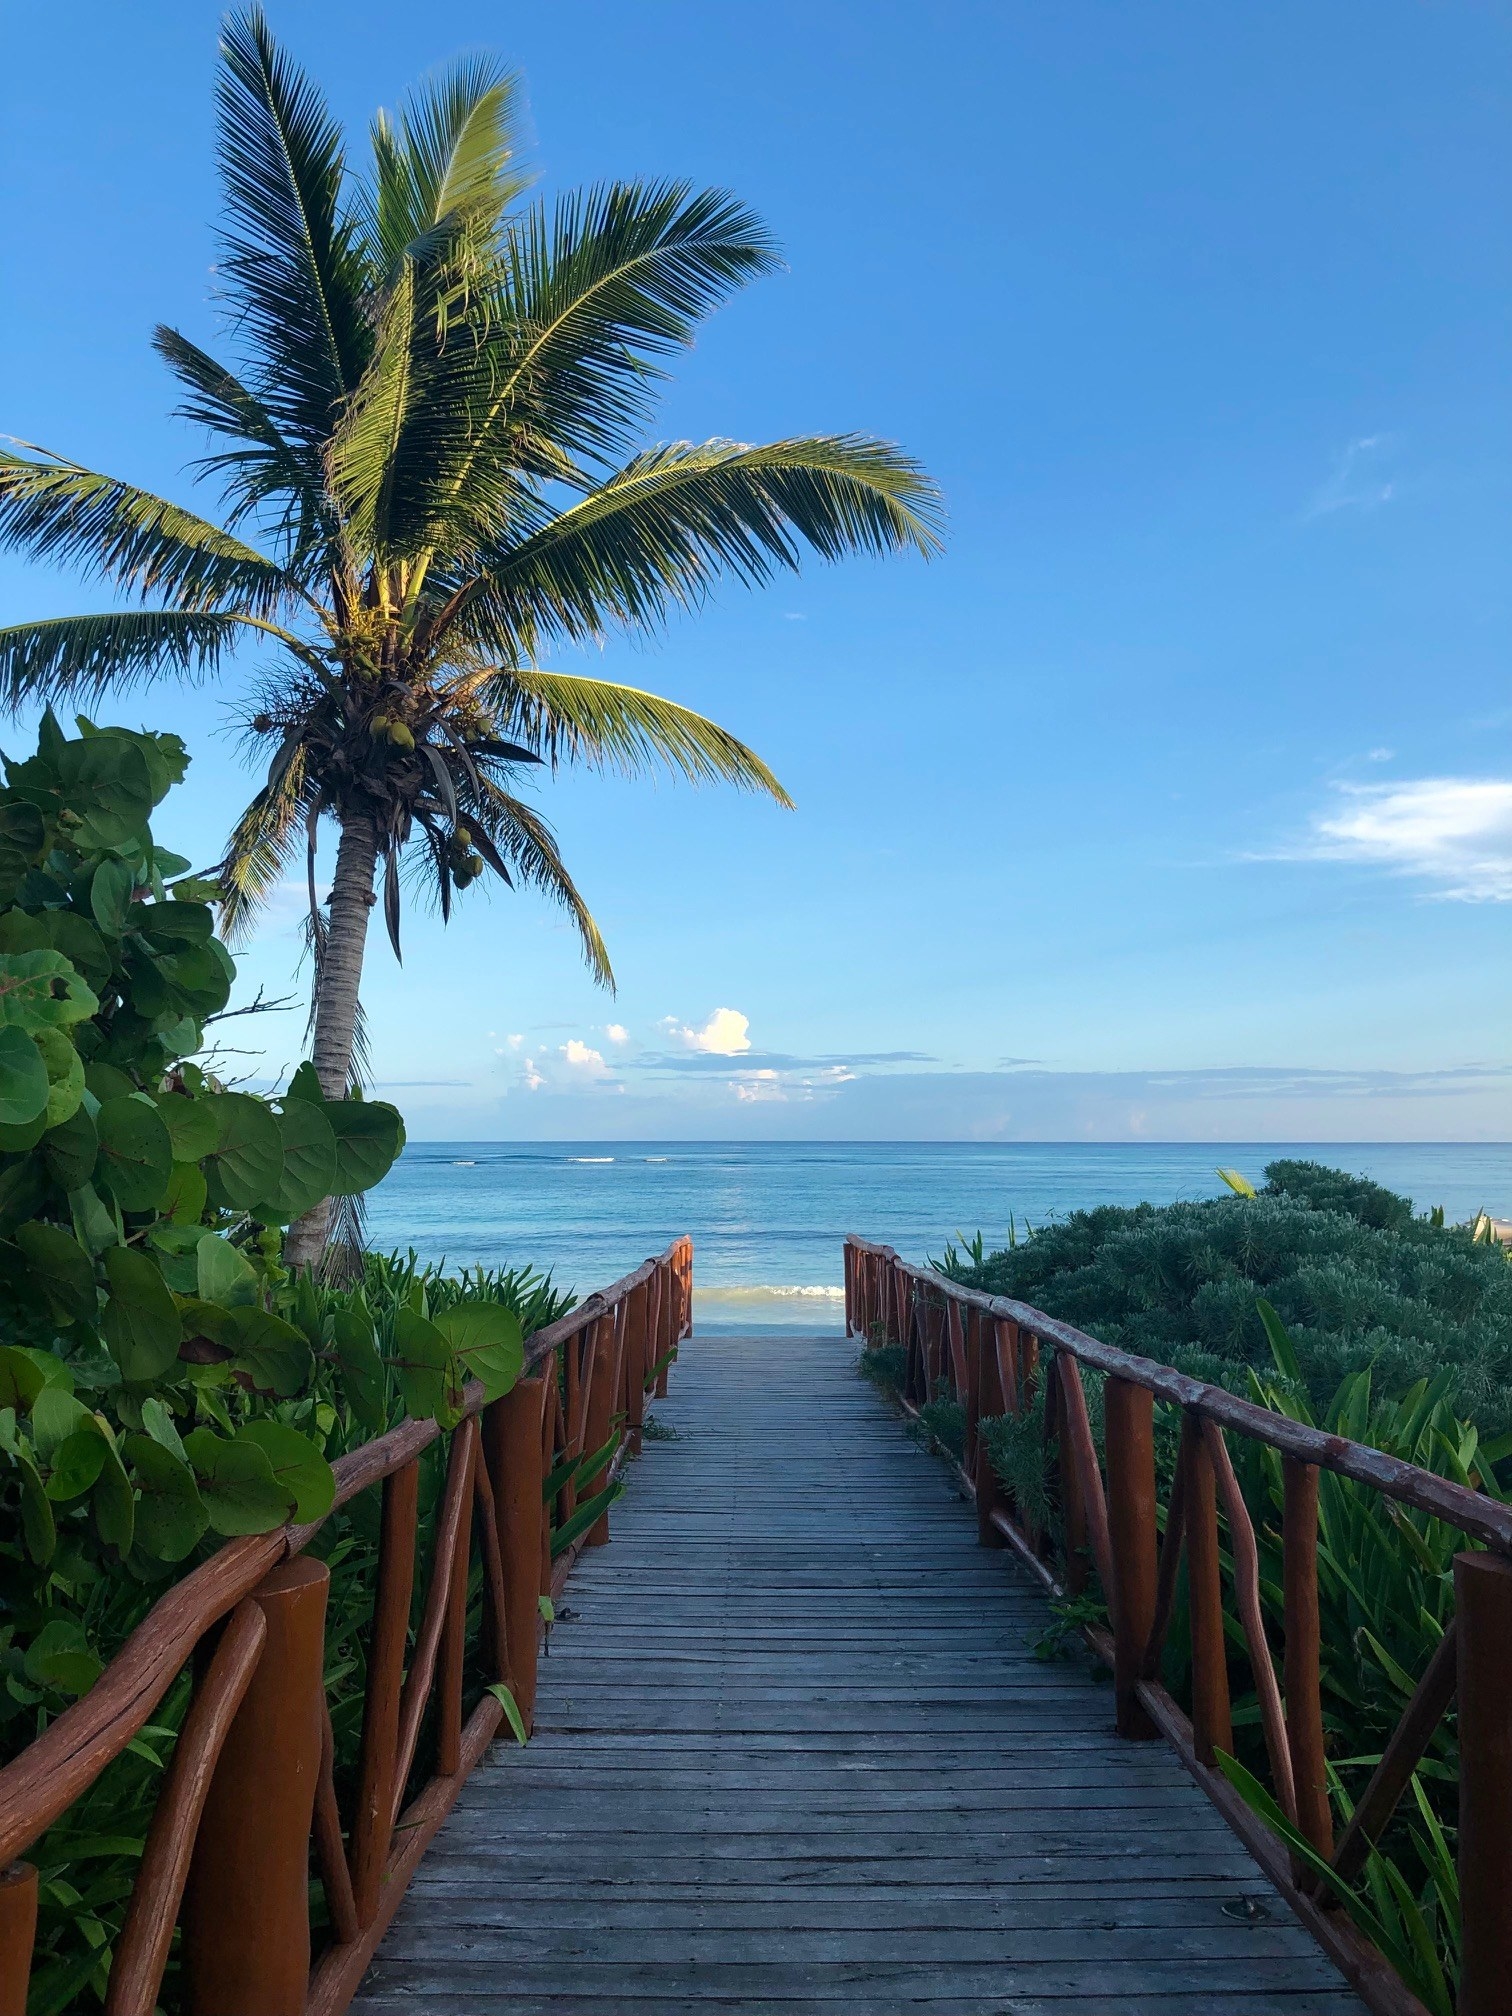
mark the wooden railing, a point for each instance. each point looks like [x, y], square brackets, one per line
[250, 1788]
[991, 1354]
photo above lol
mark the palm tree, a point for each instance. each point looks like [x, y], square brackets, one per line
[431, 442]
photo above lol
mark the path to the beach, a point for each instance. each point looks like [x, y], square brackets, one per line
[795, 1752]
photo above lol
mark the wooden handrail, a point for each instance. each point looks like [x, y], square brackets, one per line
[916, 1307]
[365, 1873]
[1481, 1517]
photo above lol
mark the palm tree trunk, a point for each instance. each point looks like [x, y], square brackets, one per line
[352, 897]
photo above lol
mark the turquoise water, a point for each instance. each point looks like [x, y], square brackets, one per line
[768, 1218]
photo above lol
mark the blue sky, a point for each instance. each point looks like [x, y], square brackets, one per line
[1176, 798]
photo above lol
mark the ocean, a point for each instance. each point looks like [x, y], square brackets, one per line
[768, 1218]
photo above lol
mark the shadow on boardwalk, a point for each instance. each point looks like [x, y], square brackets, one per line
[794, 1752]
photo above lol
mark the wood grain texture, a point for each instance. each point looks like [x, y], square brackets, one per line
[794, 1751]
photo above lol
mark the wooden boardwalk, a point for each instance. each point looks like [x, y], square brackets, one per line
[795, 1752]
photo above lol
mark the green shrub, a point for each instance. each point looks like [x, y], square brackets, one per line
[1356, 1278]
[164, 1382]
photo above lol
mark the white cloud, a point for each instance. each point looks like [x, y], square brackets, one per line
[1357, 481]
[616, 1032]
[530, 1077]
[725, 1034]
[580, 1058]
[514, 1042]
[1455, 831]
[751, 1086]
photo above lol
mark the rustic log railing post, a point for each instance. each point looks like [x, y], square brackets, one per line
[636, 1308]
[512, 1435]
[372, 1824]
[989, 1493]
[453, 1645]
[1483, 1606]
[1212, 1728]
[246, 1916]
[599, 1401]
[18, 1931]
[1303, 1659]
[666, 1337]
[973, 1394]
[1129, 1438]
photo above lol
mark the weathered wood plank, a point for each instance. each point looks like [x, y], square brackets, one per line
[795, 1751]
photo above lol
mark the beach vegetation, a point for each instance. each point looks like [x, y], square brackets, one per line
[1357, 1276]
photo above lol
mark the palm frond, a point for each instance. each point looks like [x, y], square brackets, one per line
[657, 534]
[587, 293]
[63, 656]
[58, 510]
[263, 843]
[608, 279]
[447, 163]
[363, 457]
[293, 264]
[515, 832]
[572, 719]
[264, 468]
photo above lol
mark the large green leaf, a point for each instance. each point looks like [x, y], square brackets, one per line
[21, 1379]
[62, 1269]
[65, 1074]
[187, 1194]
[362, 1375]
[488, 1342]
[55, 1416]
[246, 1164]
[427, 1369]
[298, 1465]
[271, 1354]
[41, 990]
[77, 1463]
[23, 1191]
[39, 1529]
[79, 942]
[224, 1275]
[172, 1516]
[141, 1324]
[369, 1136]
[95, 1224]
[191, 1124]
[136, 1154]
[110, 897]
[237, 1484]
[106, 781]
[60, 1656]
[22, 833]
[69, 1152]
[24, 1084]
[190, 981]
[173, 926]
[112, 1504]
[309, 1164]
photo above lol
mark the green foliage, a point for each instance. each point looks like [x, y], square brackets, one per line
[1356, 1278]
[886, 1365]
[942, 1424]
[88, 1860]
[154, 1393]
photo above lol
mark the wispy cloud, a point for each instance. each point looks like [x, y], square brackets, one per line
[1359, 480]
[1455, 832]
[727, 1033]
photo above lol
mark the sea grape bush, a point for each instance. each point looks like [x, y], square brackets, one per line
[164, 1381]
[1354, 1275]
